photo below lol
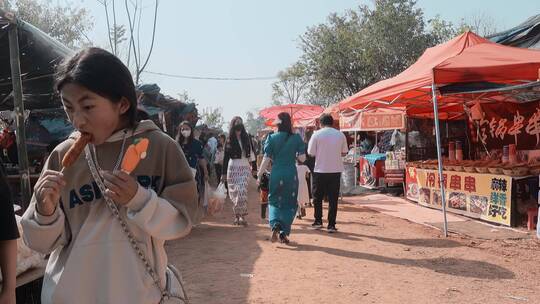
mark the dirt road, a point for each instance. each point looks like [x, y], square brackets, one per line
[375, 258]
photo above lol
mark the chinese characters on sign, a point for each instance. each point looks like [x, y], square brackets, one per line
[483, 196]
[455, 182]
[497, 202]
[380, 121]
[366, 121]
[533, 127]
[517, 124]
[470, 184]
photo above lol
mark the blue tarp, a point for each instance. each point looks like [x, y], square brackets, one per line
[372, 158]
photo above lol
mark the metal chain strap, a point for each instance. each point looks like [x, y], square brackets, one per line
[114, 209]
[133, 242]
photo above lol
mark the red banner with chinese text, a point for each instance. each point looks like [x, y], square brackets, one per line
[382, 121]
[510, 123]
[372, 121]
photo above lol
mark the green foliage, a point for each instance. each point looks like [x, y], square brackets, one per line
[69, 24]
[213, 118]
[292, 85]
[185, 98]
[363, 46]
[442, 30]
[253, 122]
[360, 47]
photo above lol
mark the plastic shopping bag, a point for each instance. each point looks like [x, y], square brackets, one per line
[217, 199]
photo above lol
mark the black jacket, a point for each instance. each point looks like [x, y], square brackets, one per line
[234, 151]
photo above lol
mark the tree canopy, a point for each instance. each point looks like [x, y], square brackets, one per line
[253, 122]
[353, 50]
[213, 118]
[68, 24]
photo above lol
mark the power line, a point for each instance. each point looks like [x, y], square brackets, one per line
[212, 78]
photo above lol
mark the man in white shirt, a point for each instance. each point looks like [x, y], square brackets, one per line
[327, 145]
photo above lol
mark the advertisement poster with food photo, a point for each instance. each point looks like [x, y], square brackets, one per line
[483, 196]
[411, 181]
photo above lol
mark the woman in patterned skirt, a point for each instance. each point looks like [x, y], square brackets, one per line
[238, 165]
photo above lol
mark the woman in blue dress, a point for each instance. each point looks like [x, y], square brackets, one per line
[282, 149]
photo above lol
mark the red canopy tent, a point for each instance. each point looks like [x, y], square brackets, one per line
[466, 59]
[313, 121]
[333, 110]
[298, 112]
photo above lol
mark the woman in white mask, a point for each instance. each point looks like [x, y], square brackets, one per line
[193, 150]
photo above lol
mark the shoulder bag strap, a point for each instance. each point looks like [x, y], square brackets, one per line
[114, 209]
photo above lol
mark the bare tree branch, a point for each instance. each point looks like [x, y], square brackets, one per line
[132, 41]
[115, 29]
[153, 37]
[104, 3]
[134, 11]
[139, 28]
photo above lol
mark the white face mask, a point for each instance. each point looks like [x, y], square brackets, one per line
[186, 133]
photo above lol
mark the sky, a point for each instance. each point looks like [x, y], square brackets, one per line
[255, 38]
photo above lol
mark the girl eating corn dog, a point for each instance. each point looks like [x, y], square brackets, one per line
[109, 196]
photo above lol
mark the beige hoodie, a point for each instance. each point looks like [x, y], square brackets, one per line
[91, 259]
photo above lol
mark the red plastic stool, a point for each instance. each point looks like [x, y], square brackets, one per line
[532, 217]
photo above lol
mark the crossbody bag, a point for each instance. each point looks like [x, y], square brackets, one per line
[174, 291]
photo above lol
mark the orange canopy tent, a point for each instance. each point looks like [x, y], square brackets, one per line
[466, 59]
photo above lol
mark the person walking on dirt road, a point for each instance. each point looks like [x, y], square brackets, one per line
[282, 149]
[327, 145]
[238, 164]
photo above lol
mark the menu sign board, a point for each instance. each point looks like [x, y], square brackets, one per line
[484, 196]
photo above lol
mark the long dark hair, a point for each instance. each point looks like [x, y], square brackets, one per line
[236, 123]
[102, 73]
[179, 137]
[286, 124]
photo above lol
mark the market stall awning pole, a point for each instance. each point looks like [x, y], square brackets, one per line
[355, 160]
[439, 156]
[24, 173]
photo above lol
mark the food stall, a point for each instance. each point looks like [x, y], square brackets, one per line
[467, 69]
[473, 191]
[371, 166]
[501, 185]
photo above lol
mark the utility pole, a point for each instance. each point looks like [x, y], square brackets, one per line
[24, 173]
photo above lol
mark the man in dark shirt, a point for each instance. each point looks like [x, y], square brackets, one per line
[8, 241]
